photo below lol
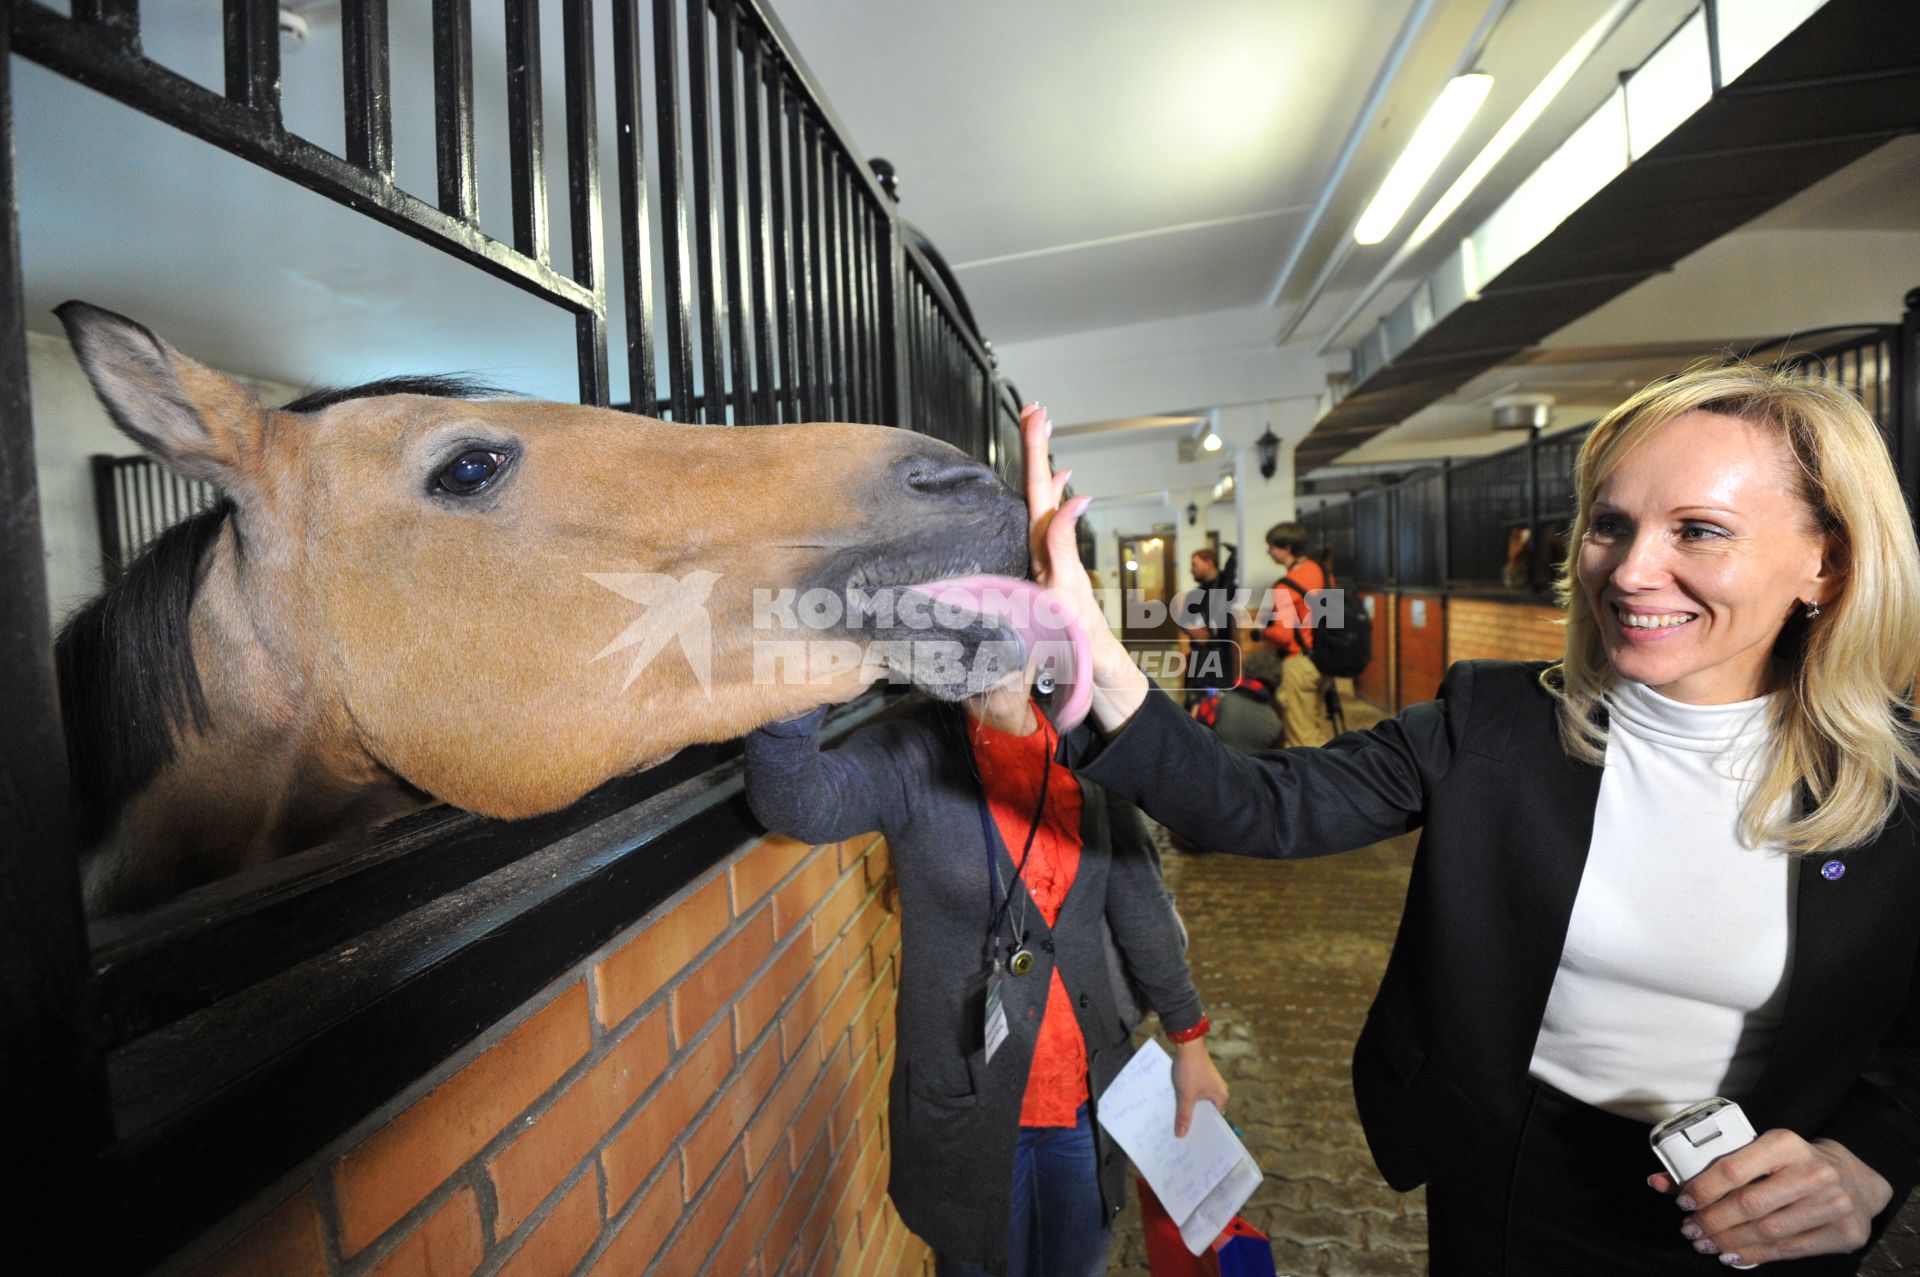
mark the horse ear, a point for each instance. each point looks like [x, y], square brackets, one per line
[200, 423]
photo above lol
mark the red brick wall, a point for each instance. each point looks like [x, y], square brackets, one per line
[712, 1083]
[1420, 651]
[1479, 629]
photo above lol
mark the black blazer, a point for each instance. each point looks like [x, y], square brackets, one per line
[1440, 1071]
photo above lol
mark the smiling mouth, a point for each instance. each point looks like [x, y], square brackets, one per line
[1652, 622]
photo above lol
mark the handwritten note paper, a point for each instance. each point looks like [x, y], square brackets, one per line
[1202, 1180]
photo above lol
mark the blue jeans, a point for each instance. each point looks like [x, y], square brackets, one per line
[1057, 1226]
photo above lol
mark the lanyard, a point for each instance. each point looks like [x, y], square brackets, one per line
[990, 838]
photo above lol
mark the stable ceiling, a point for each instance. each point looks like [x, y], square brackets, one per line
[1085, 164]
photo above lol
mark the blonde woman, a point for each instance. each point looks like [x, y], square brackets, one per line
[1680, 863]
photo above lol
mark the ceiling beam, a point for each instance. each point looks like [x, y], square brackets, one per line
[1847, 81]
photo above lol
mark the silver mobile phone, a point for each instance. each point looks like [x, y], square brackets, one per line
[1695, 1137]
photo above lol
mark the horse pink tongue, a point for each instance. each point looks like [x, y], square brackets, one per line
[1048, 629]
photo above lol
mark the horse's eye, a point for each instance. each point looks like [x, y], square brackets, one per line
[470, 472]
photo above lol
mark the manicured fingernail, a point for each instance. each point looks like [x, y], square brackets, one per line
[1690, 1231]
[1651, 1184]
[1030, 408]
[1706, 1247]
[1683, 1202]
[1049, 427]
[1733, 1261]
[1064, 476]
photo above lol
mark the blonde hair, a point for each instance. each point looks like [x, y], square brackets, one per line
[1843, 728]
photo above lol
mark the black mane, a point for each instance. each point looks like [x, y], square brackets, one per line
[440, 387]
[128, 680]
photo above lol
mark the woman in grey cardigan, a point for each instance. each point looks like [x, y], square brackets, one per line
[997, 1159]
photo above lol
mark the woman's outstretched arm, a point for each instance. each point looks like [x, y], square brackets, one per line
[1364, 787]
[798, 789]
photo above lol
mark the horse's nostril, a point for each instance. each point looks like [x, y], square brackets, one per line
[939, 476]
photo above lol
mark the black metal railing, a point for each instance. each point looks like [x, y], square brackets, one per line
[135, 499]
[1499, 523]
[763, 275]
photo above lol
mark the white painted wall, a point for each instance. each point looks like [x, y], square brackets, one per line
[69, 426]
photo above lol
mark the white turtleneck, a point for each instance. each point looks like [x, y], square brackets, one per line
[1670, 986]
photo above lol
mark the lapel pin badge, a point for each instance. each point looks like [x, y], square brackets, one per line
[1833, 870]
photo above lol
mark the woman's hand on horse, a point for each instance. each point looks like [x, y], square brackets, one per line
[1780, 1197]
[1118, 685]
[1195, 1078]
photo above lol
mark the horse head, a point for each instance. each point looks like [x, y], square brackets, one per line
[409, 590]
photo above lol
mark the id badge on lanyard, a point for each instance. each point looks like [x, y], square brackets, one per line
[995, 1019]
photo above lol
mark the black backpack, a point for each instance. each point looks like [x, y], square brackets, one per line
[1339, 651]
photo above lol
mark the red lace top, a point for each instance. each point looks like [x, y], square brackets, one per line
[1010, 767]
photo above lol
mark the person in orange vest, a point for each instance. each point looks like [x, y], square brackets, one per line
[1303, 710]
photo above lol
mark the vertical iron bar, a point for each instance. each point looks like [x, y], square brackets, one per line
[118, 19]
[869, 310]
[253, 55]
[820, 405]
[895, 386]
[106, 512]
[453, 106]
[923, 369]
[713, 388]
[983, 385]
[781, 161]
[760, 238]
[583, 197]
[673, 200]
[526, 141]
[367, 86]
[833, 281]
[45, 1053]
[129, 530]
[726, 48]
[1535, 551]
[1903, 380]
[636, 234]
[147, 511]
[857, 298]
[846, 276]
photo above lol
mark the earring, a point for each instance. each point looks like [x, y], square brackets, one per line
[1813, 611]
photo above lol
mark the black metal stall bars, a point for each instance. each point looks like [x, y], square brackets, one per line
[157, 1070]
[1457, 528]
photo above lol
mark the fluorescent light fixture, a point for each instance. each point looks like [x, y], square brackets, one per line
[1519, 122]
[1211, 443]
[1459, 102]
